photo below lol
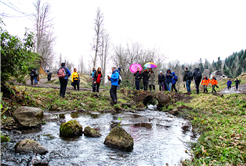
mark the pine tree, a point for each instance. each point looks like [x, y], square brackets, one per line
[206, 64]
[219, 64]
[239, 71]
[226, 71]
[201, 68]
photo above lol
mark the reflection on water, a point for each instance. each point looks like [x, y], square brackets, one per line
[158, 139]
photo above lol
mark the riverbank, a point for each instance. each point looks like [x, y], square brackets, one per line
[220, 119]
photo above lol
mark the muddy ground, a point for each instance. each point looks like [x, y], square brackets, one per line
[241, 89]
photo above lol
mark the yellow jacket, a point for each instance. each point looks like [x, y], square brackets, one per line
[75, 76]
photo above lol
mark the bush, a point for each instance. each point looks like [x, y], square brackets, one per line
[15, 55]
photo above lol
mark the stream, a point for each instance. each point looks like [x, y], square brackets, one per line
[159, 138]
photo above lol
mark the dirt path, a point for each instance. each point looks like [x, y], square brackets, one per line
[43, 83]
[241, 89]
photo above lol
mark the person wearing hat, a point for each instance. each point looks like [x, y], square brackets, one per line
[161, 81]
[63, 74]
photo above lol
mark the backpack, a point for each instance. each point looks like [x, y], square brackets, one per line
[176, 79]
[61, 72]
[198, 75]
[189, 75]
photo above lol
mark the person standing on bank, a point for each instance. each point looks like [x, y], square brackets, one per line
[237, 82]
[32, 75]
[35, 76]
[187, 79]
[114, 84]
[169, 77]
[63, 74]
[97, 79]
[161, 81]
[75, 79]
[174, 80]
[145, 76]
[197, 77]
[151, 80]
[138, 77]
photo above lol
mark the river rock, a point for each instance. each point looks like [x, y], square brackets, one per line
[120, 139]
[163, 98]
[28, 116]
[90, 132]
[29, 146]
[71, 128]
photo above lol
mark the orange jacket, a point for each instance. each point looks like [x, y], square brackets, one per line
[205, 81]
[213, 82]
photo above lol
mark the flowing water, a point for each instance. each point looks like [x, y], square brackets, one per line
[159, 138]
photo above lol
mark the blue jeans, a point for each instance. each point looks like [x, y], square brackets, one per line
[188, 85]
[169, 85]
[35, 80]
[137, 85]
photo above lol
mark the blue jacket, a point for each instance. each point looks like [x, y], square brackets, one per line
[92, 75]
[114, 78]
[174, 79]
[169, 78]
[229, 83]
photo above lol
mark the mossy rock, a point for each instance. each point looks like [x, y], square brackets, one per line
[30, 146]
[71, 128]
[90, 132]
[4, 138]
[120, 139]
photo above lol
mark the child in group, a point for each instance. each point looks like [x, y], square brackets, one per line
[229, 84]
[237, 82]
[205, 82]
[214, 84]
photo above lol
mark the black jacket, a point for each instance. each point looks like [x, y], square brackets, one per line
[185, 78]
[145, 76]
[197, 75]
[138, 74]
[161, 78]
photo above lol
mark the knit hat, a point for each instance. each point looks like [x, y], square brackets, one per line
[160, 71]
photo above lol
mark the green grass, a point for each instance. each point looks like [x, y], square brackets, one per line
[222, 125]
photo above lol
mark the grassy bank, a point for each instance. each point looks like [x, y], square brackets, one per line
[221, 121]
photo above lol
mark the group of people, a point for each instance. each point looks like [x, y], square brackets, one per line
[197, 77]
[229, 83]
[166, 82]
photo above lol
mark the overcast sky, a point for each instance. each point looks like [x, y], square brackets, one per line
[182, 30]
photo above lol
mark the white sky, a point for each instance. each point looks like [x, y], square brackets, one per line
[182, 30]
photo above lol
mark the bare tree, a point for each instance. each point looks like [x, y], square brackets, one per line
[105, 48]
[98, 27]
[44, 36]
[134, 53]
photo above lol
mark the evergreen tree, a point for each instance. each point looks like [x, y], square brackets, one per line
[226, 71]
[201, 68]
[214, 65]
[219, 64]
[239, 71]
[206, 64]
